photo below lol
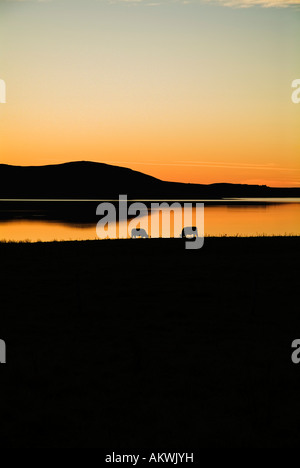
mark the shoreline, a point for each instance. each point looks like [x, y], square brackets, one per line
[153, 240]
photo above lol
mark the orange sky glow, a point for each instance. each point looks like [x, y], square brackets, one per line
[194, 93]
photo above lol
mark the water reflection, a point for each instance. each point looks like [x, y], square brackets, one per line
[243, 218]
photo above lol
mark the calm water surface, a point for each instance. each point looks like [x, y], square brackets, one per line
[243, 217]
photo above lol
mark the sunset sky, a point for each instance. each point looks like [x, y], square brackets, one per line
[192, 91]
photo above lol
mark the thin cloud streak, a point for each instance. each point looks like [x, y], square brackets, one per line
[260, 3]
[207, 164]
[226, 3]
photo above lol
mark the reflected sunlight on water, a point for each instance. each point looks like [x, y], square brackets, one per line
[235, 219]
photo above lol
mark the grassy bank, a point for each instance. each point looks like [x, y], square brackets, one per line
[145, 344]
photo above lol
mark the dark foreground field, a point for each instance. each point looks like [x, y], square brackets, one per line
[143, 344]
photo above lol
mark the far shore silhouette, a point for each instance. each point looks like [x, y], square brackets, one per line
[93, 180]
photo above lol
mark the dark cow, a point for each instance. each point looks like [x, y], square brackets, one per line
[138, 232]
[189, 232]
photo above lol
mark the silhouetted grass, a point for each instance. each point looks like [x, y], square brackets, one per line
[145, 344]
[28, 241]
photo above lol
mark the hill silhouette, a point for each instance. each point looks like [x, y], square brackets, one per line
[93, 180]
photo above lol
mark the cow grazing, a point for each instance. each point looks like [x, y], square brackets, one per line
[138, 232]
[189, 232]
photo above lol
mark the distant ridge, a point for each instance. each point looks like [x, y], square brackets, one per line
[93, 180]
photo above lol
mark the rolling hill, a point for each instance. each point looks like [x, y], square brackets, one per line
[93, 180]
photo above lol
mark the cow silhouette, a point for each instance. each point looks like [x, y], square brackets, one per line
[189, 232]
[138, 232]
